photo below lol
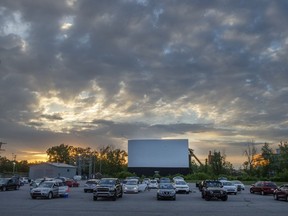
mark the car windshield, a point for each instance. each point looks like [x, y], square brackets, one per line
[213, 184]
[166, 186]
[91, 182]
[131, 183]
[46, 184]
[227, 183]
[107, 181]
[180, 183]
[153, 181]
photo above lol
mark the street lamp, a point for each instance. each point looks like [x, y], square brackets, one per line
[14, 167]
[79, 164]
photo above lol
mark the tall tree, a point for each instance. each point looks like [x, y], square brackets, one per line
[250, 153]
[59, 153]
[283, 155]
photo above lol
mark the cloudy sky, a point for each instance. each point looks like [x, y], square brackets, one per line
[96, 73]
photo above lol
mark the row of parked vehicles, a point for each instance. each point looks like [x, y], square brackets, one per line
[166, 189]
[114, 188]
[220, 189]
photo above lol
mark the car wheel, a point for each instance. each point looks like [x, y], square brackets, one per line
[95, 198]
[4, 188]
[174, 198]
[235, 193]
[224, 198]
[85, 191]
[207, 198]
[251, 191]
[50, 195]
[33, 197]
[286, 199]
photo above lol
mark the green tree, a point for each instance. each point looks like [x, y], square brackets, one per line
[283, 155]
[59, 154]
[268, 157]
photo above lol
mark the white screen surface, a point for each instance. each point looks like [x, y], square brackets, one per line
[158, 153]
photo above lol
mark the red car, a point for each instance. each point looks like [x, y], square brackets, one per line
[263, 187]
[72, 183]
[281, 192]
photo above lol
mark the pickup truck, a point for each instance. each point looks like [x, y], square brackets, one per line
[108, 188]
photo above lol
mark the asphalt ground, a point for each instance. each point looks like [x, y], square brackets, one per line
[144, 203]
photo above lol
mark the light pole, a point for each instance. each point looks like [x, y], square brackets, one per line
[79, 164]
[14, 163]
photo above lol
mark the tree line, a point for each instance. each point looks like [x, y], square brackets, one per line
[266, 163]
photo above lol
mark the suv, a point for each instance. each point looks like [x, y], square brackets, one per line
[9, 184]
[213, 189]
[108, 187]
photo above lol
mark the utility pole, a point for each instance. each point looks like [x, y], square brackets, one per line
[14, 162]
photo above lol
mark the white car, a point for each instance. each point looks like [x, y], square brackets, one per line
[229, 187]
[178, 178]
[181, 186]
[131, 186]
[153, 184]
[240, 186]
[46, 189]
[90, 185]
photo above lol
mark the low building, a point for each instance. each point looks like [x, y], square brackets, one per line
[51, 170]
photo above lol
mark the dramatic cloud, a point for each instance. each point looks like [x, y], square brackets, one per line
[96, 73]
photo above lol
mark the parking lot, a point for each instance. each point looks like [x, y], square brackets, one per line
[144, 203]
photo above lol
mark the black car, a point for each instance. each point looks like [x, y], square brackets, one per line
[9, 184]
[213, 189]
[166, 191]
[108, 188]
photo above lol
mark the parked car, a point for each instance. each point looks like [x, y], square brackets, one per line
[77, 177]
[90, 185]
[108, 188]
[166, 191]
[263, 187]
[153, 184]
[72, 183]
[164, 180]
[146, 181]
[240, 186]
[46, 189]
[181, 186]
[131, 186]
[177, 178]
[25, 180]
[213, 189]
[229, 187]
[9, 184]
[281, 192]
